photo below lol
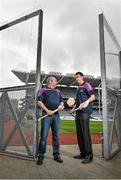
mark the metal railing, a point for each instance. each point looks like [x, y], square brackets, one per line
[18, 120]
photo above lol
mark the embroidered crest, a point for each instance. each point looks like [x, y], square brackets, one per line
[81, 89]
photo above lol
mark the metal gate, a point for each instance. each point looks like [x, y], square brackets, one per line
[110, 56]
[17, 120]
[18, 127]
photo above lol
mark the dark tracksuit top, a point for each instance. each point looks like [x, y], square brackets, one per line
[83, 93]
[82, 119]
[51, 98]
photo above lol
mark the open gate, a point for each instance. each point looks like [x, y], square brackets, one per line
[110, 58]
[18, 127]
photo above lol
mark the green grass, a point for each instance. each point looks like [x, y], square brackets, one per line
[68, 126]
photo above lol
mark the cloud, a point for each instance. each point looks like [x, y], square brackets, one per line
[70, 33]
[76, 27]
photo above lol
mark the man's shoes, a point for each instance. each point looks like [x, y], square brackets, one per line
[87, 160]
[80, 156]
[40, 160]
[58, 159]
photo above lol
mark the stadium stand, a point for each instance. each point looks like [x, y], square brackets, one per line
[66, 83]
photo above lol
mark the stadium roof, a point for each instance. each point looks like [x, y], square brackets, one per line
[63, 80]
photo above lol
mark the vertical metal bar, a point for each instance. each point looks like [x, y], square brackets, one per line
[120, 67]
[2, 119]
[99, 102]
[119, 112]
[38, 76]
[99, 99]
[119, 100]
[39, 48]
[104, 91]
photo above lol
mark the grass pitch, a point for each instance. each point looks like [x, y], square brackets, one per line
[68, 126]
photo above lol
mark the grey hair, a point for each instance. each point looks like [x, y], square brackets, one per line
[49, 79]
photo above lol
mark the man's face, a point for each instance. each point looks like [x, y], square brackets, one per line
[52, 82]
[79, 79]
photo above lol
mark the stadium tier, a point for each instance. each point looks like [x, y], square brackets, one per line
[66, 82]
[22, 99]
[63, 80]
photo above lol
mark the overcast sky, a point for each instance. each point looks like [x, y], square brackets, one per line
[70, 36]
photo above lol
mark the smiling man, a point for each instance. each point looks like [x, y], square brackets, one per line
[50, 101]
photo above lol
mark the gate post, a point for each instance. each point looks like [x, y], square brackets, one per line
[38, 77]
[2, 119]
[120, 67]
[103, 81]
[119, 101]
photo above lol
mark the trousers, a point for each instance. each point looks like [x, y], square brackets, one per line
[83, 133]
[53, 122]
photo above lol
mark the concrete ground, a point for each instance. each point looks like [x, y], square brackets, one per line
[17, 168]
